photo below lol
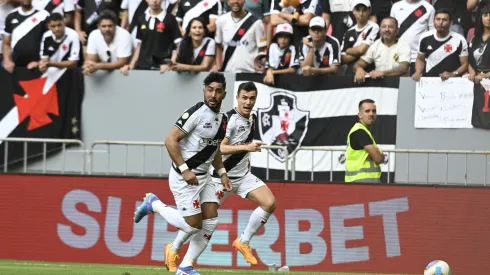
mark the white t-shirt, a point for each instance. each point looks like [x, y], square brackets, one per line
[387, 58]
[5, 9]
[120, 47]
[414, 19]
[247, 48]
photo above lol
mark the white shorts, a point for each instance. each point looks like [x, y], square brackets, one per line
[190, 197]
[241, 186]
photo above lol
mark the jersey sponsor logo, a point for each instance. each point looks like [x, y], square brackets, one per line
[282, 123]
[234, 43]
[210, 141]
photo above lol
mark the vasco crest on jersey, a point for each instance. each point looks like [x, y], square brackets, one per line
[282, 123]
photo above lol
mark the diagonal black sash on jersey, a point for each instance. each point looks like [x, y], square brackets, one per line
[283, 64]
[203, 155]
[199, 58]
[51, 6]
[139, 11]
[237, 37]
[411, 19]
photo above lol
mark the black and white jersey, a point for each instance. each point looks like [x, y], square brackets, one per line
[279, 59]
[51, 6]
[241, 41]
[240, 131]
[442, 54]
[136, 8]
[66, 48]
[327, 56]
[204, 130]
[159, 36]
[26, 30]
[356, 36]
[414, 19]
[207, 48]
[306, 6]
[206, 9]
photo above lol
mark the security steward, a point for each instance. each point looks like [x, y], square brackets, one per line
[363, 157]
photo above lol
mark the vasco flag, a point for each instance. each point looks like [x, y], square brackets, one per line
[35, 105]
[317, 111]
[481, 105]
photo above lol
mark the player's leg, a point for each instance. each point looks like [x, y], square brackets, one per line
[255, 190]
[187, 218]
[200, 240]
[172, 249]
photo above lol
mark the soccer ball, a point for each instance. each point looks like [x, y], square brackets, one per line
[437, 267]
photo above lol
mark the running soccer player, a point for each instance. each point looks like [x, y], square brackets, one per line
[236, 148]
[193, 145]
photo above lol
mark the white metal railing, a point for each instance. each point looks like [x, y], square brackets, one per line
[390, 152]
[161, 145]
[144, 144]
[45, 142]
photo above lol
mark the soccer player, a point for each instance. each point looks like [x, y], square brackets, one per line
[193, 145]
[236, 148]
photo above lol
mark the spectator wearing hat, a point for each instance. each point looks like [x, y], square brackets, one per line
[320, 53]
[391, 57]
[282, 56]
[362, 35]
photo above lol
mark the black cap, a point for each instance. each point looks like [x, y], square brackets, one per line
[485, 9]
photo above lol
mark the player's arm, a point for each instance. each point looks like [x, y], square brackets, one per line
[220, 169]
[227, 149]
[172, 145]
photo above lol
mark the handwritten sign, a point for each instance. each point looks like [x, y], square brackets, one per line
[443, 104]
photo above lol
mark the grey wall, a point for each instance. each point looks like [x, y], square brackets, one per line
[407, 137]
[144, 105]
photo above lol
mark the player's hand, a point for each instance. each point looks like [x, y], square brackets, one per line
[269, 77]
[307, 42]
[9, 66]
[83, 37]
[164, 68]
[226, 182]
[471, 77]
[254, 146]
[190, 177]
[32, 65]
[125, 70]
[214, 69]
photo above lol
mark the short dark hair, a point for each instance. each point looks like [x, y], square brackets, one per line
[55, 17]
[107, 15]
[389, 17]
[246, 86]
[367, 100]
[215, 77]
[444, 11]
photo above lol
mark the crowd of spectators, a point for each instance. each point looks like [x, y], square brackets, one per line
[362, 38]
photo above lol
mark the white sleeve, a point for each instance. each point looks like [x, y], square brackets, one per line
[91, 43]
[312, 7]
[404, 52]
[218, 37]
[211, 50]
[230, 127]
[75, 49]
[260, 38]
[464, 50]
[372, 36]
[125, 45]
[187, 122]
[368, 57]
[124, 4]
[68, 6]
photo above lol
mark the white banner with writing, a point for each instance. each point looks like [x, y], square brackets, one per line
[443, 104]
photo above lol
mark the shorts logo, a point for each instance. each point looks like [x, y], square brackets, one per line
[220, 194]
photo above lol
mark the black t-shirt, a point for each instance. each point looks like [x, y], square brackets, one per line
[359, 138]
[158, 36]
[479, 54]
[91, 11]
[26, 31]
